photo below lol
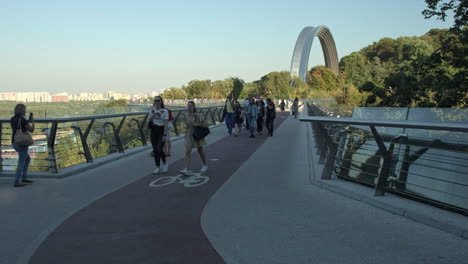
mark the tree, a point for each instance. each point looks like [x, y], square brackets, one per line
[439, 8]
[198, 89]
[174, 93]
[238, 86]
[275, 85]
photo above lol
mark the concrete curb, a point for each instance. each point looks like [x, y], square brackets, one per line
[370, 200]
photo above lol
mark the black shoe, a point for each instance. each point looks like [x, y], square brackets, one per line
[252, 137]
[18, 185]
[27, 181]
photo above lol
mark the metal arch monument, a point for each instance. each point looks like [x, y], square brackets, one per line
[300, 58]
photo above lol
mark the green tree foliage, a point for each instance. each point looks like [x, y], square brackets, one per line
[222, 88]
[322, 78]
[355, 68]
[252, 88]
[275, 85]
[409, 71]
[174, 93]
[198, 89]
[238, 86]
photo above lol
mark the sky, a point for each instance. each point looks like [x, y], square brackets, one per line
[142, 46]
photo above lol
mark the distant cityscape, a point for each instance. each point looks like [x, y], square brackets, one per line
[44, 97]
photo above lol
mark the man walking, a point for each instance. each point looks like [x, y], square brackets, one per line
[252, 115]
[229, 114]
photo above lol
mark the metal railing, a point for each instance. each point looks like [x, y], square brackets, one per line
[429, 163]
[63, 142]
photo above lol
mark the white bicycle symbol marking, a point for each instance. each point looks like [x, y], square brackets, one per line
[196, 179]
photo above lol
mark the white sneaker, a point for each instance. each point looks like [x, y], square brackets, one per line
[203, 169]
[186, 172]
[164, 167]
[157, 171]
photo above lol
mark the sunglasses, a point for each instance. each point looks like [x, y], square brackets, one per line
[157, 101]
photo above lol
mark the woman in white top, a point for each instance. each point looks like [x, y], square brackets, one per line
[158, 125]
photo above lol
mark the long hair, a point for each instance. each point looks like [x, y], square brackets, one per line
[194, 107]
[19, 108]
[162, 101]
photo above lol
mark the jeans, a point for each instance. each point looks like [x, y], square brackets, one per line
[269, 125]
[157, 134]
[229, 119]
[260, 124]
[23, 162]
[252, 123]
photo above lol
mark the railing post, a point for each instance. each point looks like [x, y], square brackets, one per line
[174, 123]
[140, 129]
[51, 148]
[84, 140]
[213, 119]
[331, 157]
[387, 162]
[118, 142]
[334, 153]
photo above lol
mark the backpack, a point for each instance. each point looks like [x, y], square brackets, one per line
[169, 112]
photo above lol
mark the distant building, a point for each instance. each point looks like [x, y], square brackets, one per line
[60, 98]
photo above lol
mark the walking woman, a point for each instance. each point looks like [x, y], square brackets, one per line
[158, 125]
[194, 119]
[282, 104]
[295, 107]
[270, 116]
[238, 120]
[18, 121]
[261, 116]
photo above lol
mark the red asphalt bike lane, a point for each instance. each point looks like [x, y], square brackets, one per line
[143, 224]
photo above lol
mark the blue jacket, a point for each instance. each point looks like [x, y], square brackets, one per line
[252, 111]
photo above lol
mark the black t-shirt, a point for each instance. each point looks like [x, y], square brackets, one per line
[14, 122]
[270, 113]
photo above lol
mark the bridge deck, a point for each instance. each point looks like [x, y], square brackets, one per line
[259, 206]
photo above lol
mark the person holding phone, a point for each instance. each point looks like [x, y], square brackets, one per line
[18, 121]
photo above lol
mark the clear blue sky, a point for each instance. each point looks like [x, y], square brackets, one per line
[143, 46]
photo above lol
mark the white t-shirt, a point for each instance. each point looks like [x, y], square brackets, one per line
[158, 116]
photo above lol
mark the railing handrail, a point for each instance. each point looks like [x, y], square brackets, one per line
[387, 167]
[102, 116]
[449, 126]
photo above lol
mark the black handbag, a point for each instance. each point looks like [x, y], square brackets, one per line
[200, 132]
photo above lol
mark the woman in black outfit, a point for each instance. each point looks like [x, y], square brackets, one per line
[270, 116]
[261, 116]
[158, 119]
[238, 120]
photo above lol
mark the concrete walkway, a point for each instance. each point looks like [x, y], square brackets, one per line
[269, 212]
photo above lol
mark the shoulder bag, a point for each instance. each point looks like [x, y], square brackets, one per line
[21, 137]
[200, 132]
